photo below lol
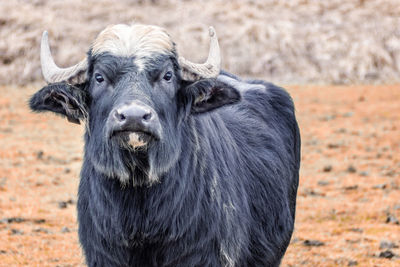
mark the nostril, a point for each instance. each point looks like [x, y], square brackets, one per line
[147, 116]
[119, 116]
[122, 117]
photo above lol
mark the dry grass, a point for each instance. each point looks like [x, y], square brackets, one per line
[292, 41]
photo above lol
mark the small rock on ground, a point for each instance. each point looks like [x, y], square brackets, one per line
[387, 244]
[392, 219]
[313, 243]
[387, 254]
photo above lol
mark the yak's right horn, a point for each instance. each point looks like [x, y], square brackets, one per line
[52, 73]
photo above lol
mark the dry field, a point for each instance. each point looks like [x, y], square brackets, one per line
[349, 195]
[290, 41]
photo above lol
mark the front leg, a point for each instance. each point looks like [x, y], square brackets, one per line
[185, 252]
[98, 252]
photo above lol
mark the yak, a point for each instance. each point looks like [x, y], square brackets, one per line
[184, 164]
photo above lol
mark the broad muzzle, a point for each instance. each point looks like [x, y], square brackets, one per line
[135, 122]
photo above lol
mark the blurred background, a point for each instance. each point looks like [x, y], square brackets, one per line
[290, 41]
[340, 61]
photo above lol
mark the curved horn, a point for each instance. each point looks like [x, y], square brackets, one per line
[51, 72]
[209, 69]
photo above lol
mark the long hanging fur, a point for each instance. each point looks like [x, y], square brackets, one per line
[217, 188]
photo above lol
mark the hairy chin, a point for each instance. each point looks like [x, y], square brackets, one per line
[117, 159]
[142, 165]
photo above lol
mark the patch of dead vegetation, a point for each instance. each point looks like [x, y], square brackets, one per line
[291, 41]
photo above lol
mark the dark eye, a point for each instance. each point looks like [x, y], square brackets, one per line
[99, 78]
[167, 76]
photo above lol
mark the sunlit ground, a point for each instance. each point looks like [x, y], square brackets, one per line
[348, 203]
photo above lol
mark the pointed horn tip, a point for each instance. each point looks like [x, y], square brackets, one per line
[45, 35]
[211, 31]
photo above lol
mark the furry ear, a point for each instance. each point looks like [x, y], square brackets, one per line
[61, 98]
[209, 94]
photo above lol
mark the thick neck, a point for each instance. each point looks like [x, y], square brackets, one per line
[153, 211]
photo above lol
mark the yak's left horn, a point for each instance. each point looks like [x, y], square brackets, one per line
[209, 69]
[52, 73]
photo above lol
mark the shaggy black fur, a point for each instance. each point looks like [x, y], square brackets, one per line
[217, 189]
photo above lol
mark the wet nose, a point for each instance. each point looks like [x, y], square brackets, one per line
[132, 114]
[133, 117]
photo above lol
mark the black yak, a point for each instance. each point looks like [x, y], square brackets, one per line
[184, 164]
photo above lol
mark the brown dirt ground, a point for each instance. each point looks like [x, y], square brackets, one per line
[353, 130]
[289, 41]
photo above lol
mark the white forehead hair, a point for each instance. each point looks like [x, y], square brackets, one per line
[140, 41]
